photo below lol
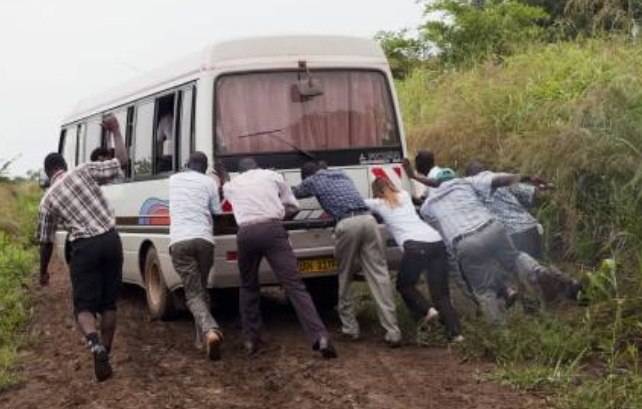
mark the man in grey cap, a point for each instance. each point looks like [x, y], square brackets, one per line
[476, 238]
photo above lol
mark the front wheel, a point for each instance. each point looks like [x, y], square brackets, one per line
[159, 298]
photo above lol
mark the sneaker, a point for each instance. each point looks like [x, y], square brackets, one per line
[213, 339]
[102, 368]
[393, 340]
[350, 337]
[574, 290]
[431, 316]
[458, 339]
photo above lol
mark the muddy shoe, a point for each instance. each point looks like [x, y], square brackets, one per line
[213, 340]
[325, 347]
[252, 348]
[102, 368]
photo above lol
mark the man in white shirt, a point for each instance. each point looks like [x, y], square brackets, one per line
[260, 199]
[193, 199]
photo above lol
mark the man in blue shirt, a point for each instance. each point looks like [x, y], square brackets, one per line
[476, 238]
[358, 239]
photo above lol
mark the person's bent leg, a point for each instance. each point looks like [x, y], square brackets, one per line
[346, 252]
[437, 278]
[375, 268]
[475, 261]
[86, 280]
[185, 258]
[249, 259]
[112, 277]
[409, 272]
[282, 260]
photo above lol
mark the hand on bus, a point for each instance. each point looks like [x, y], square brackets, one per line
[111, 123]
[407, 166]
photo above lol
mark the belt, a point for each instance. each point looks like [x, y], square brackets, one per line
[469, 233]
[354, 214]
[258, 221]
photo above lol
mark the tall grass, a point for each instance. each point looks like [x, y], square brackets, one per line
[571, 112]
[18, 205]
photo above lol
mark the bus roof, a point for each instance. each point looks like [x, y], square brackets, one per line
[226, 52]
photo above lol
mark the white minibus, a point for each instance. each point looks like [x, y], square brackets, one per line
[282, 100]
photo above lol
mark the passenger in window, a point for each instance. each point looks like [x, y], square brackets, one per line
[165, 143]
[76, 200]
[358, 240]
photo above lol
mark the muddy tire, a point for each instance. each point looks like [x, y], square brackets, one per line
[160, 301]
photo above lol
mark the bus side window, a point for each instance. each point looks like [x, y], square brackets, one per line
[186, 125]
[94, 137]
[69, 145]
[80, 130]
[142, 140]
[165, 136]
[129, 141]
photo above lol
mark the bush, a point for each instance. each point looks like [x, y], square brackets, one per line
[17, 261]
[569, 112]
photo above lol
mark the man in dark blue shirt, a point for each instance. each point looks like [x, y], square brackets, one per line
[358, 238]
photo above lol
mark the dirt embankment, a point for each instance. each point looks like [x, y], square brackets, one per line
[156, 366]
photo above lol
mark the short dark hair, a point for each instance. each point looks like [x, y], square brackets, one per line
[100, 151]
[424, 161]
[248, 163]
[54, 162]
[197, 161]
[474, 167]
[309, 168]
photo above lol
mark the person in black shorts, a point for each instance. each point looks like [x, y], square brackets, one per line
[76, 200]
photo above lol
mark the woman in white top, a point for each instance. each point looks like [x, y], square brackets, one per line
[423, 251]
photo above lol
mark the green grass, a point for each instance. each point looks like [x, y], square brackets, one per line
[571, 112]
[17, 261]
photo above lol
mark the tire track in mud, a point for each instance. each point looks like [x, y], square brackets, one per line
[156, 366]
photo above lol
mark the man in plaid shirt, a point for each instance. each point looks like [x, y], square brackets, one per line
[76, 200]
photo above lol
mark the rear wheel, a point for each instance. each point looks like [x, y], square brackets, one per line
[159, 299]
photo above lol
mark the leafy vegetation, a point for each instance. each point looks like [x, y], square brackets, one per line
[553, 88]
[18, 206]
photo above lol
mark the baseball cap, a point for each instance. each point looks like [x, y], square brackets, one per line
[445, 174]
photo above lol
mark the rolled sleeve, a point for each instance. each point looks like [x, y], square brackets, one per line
[215, 200]
[482, 183]
[47, 222]
[286, 194]
[103, 172]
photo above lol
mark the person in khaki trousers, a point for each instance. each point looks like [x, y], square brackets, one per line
[193, 199]
[357, 239]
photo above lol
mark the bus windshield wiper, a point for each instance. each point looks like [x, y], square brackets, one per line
[273, 133]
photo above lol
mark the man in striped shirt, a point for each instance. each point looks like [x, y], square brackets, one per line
[76, 201]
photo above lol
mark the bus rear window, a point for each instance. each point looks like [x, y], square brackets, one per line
[267, 112]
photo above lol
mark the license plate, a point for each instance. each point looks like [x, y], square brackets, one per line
[318, 265]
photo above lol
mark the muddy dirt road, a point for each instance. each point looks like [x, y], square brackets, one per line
[156, 366]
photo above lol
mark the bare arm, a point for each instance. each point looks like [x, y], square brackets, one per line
[419, 178]
[45, 256]
[120, 151]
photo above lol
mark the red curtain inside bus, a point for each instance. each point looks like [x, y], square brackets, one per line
[354, 111]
